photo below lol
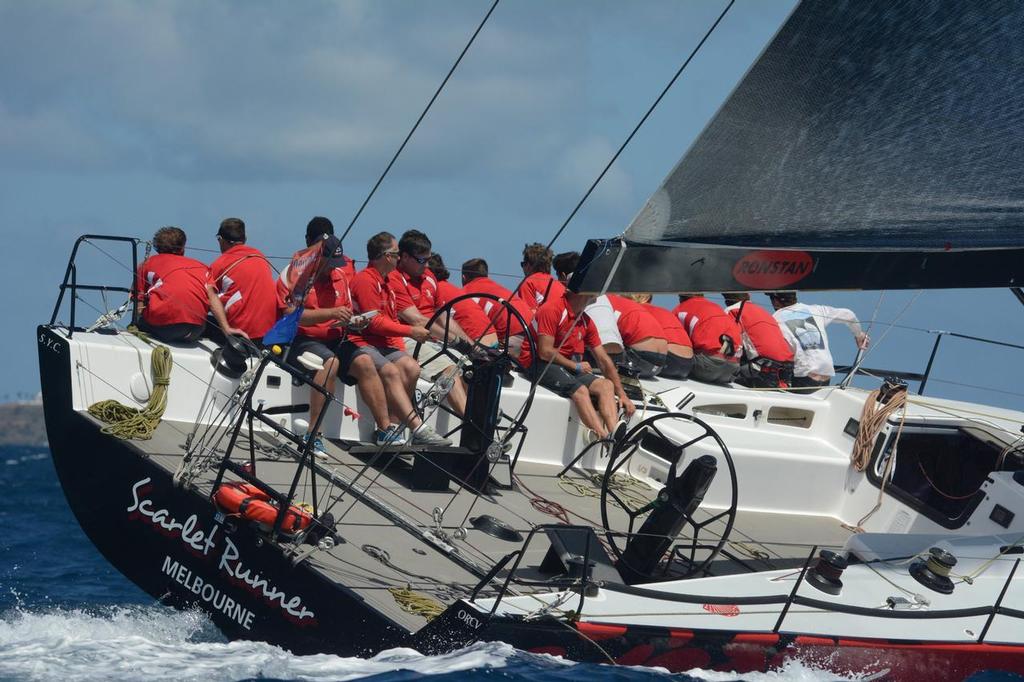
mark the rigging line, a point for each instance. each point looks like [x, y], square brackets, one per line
[422, 115]
[640, 124]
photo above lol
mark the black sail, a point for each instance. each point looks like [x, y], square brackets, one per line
[874, 144]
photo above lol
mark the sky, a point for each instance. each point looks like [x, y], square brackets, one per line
[121, 117]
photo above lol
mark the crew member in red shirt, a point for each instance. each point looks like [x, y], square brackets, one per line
[415, 290]
[539, 286]
[631, 337]
[327, 310]
[173, 290]
[715, 336]
[383, 338]
[316, 229]
[475, 280]
[240, 285]
[469, 315]
[680, 348]
[562, 332]
[646, 346]
[767, 357]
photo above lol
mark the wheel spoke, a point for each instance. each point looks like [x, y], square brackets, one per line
[618, 465]
[712, 519]
[694, 441]
[622, 504]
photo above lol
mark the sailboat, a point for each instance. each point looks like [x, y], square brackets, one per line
[872, 145]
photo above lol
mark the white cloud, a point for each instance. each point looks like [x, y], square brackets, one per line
[298, 91]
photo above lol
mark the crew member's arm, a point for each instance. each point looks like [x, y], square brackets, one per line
[219, 314]
[547, 352]
[412, 316]
[604, 361]
[313, 317]
[849, 318]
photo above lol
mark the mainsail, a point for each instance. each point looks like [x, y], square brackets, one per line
[874, 144]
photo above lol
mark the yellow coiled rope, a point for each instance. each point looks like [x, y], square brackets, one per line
[413, 602]
[130, 423]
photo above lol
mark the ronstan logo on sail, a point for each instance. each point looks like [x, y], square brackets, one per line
[772, 269]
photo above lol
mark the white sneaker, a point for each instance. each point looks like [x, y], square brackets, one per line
[426, 435]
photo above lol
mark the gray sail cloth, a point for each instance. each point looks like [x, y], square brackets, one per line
[892, 123]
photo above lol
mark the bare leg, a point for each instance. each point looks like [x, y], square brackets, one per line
[604, 391]
[457, 396]
[371, 389]
[398, 397]
[324, 377]
[585, 408]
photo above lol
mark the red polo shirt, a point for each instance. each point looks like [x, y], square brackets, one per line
[244, 283]
[762, 336]
[706, 323]
[420, 293]
[635, 324]
[556, 319]
[467, 313]
[174, 289]
[670, 325]
[331, 291]
[370, 291]
[538, 288]
[495, 311]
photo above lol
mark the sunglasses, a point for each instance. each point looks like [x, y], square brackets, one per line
[393, 254]
[422, 260]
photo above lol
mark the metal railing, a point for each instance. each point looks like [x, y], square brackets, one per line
[71, 279]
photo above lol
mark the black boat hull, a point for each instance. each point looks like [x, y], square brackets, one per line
[167, 540]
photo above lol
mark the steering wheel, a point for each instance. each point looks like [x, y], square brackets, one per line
[622, 452]
[441, 384]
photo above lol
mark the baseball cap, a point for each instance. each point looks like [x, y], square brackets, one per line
[316, 227]
[332, 251]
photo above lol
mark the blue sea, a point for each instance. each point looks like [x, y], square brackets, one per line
[66, 614]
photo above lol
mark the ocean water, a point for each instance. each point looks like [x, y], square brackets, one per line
[66, 614]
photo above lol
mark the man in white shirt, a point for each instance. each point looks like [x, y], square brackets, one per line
[803, 326]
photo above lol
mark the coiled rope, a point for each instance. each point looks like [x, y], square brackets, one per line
[872, 419]
[418, 604]
[131, 423]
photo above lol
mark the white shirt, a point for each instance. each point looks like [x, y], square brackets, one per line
[603, 316]
[804, 328]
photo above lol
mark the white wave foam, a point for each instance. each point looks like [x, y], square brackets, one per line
[131, 643]
[793, 670]
[32, 457]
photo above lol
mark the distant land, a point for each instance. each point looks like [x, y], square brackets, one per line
[22, 424]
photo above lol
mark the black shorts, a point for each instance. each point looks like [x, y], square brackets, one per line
[712, 369]
[344, 350]
[559, 380]
[677, 367]
[646, 364]
[807, 382]
[173, 333]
